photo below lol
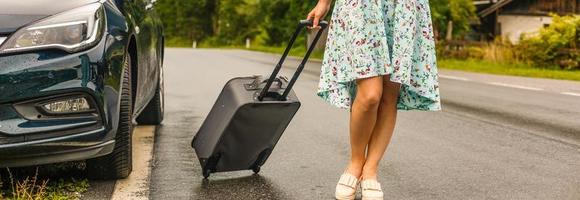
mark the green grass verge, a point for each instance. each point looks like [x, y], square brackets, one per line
[178, 42]
[59, 182]
[479, 66]
[296, 51]
[508, 69]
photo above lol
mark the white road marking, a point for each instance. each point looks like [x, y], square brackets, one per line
[136, 186]
[453, 78]
[571, 94]
[515, 86]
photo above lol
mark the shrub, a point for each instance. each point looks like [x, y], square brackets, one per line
[501, 50]
[555, 45]
[498, 51]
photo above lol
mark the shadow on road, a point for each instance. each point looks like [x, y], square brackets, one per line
[252, 187]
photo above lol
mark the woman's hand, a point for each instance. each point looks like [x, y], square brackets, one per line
[318, 12]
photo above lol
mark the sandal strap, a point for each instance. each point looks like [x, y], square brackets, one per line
[371, 185]
[348, 180]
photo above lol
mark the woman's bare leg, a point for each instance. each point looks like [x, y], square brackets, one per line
[363, 117]
[383, 130]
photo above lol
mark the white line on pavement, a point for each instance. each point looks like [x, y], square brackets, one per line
[515, 86]
[453, 78]
[136, 186]
[571, 94]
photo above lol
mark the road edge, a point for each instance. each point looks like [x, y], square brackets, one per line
[136, 186]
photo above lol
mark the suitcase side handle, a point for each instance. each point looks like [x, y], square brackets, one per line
[301, 25]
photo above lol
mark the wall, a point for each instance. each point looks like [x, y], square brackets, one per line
[512, 26]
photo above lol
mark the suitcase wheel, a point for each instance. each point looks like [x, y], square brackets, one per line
[206, 173]
[256, 169]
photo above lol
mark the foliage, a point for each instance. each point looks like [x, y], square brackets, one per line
[471, 65]
[460, 12]
[555, 45]
[66, 189]
[513, 69]
[185, 20]
[280, 19]
[269, 22]
[499, 51]
[234, 21]
[40, 183]
[230, 22]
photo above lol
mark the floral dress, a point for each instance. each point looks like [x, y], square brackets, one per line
[381, 37]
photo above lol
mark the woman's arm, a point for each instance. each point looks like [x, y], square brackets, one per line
[319, 12]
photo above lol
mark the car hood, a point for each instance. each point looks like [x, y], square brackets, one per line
[17, 13]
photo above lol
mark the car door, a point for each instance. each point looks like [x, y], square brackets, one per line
[147, 47]
[156, 43]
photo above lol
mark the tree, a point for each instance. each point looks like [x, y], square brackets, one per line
[270, 22]
[460, 12]
[281, 18]
[186, 20]
[236, 20]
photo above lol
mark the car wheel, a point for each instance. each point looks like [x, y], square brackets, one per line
[153, 112]
[118, 164]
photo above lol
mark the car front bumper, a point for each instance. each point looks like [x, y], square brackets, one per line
[27, 136]
[54, 150]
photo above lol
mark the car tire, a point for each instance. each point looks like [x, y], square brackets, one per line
[153, 112]
[119, 163]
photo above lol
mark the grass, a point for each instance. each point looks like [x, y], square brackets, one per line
[35, 183]
[508, 69]
[479, 66]
[178, 42]
[297, 51]
[470, 65]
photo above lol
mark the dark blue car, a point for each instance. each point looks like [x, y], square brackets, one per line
[74, 77]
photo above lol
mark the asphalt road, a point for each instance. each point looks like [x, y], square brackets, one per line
[497, 138]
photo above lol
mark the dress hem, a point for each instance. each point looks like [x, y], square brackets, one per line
[324, 94]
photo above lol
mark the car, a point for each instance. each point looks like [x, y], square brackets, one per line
[75, 76]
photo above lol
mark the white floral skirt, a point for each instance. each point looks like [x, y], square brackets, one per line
[381, 37]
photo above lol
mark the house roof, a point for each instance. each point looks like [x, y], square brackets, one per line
[494, 7]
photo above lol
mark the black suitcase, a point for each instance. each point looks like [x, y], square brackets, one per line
[249, 117]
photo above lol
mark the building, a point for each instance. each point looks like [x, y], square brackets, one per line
[512, 18]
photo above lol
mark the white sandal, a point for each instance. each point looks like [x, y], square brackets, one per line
[346, 187]
[371, 190]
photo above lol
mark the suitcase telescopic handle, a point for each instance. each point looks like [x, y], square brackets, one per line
[303, 23]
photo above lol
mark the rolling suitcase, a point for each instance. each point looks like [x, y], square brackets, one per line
[249, 117]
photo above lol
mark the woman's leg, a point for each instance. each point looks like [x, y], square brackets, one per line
[383, 130]
[363, 117]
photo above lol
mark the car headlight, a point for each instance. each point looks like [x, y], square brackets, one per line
[71, 31]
